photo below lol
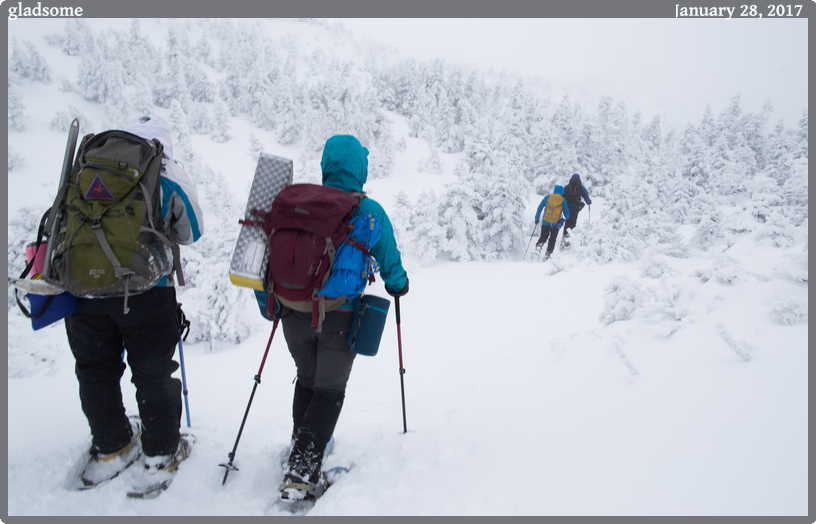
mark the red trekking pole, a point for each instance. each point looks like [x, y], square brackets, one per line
[229, 467]
[401, 369]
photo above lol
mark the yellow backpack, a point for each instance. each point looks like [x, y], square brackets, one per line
[552, 213]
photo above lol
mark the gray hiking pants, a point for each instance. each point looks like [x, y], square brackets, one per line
[323, 368]
[323, 360]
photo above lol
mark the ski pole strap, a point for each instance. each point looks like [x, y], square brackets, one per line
[183, 323]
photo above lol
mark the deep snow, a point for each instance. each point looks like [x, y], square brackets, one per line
[521, 399]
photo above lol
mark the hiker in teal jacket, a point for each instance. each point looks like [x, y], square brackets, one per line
[345, 166]
[323, 359]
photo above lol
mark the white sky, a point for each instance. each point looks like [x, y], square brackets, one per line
[670, 66]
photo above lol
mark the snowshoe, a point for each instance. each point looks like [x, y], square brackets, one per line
[294, 489]
[102, 468]
[160, 471]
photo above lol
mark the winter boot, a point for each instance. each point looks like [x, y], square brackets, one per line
[302, 476]
[160, 470]
[104, 467]
[161, 465]
[284, 456]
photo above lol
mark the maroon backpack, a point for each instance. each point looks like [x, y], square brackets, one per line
[305, 227]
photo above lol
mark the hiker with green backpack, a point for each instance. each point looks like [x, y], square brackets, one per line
[127, 207]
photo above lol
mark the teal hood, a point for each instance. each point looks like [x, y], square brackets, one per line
[344, 163]
[559, 190]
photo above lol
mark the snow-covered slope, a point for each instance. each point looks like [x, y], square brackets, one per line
[658, 385]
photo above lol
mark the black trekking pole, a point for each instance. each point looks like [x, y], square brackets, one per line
[529, 241]
[184, 324]
[401, 369]
[228, 466]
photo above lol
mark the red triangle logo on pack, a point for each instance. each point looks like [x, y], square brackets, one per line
[98, 190]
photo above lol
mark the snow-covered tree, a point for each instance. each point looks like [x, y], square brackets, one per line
[15, 160]
[28, 63]
[458, 213]
[183, 149]
[255, 147]
[215, 307]
[75, 38]
[428, 237]
[115, 104]
[16, 108]
[221, 126]
[62, 122]
[401, 214]
[504, 217]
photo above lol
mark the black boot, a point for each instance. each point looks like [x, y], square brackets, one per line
[316, 428]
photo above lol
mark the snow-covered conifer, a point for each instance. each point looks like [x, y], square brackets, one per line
[428, 236]
[15, 160]
[16, 107]
[62, 121]
[221, 126]
[401, 214]
[37, 67]
[255, 147]
[183, 149]
[459, 207]
[115, 104]
[504, 214]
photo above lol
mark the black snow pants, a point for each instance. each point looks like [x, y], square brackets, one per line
[573, 218]
[548, 231]
[101, 336]
[324, 364]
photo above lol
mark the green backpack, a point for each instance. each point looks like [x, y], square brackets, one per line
[111, 239]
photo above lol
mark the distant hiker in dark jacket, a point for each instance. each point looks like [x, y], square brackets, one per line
[102, 336]
[553, 206]
[323, 359]
[573, 194]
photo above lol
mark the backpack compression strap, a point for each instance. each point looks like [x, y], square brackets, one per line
[125, 273]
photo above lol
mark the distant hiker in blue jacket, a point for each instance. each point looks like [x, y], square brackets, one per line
[323, 359]
[573, 194]
[99, 332]
[553, 207]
